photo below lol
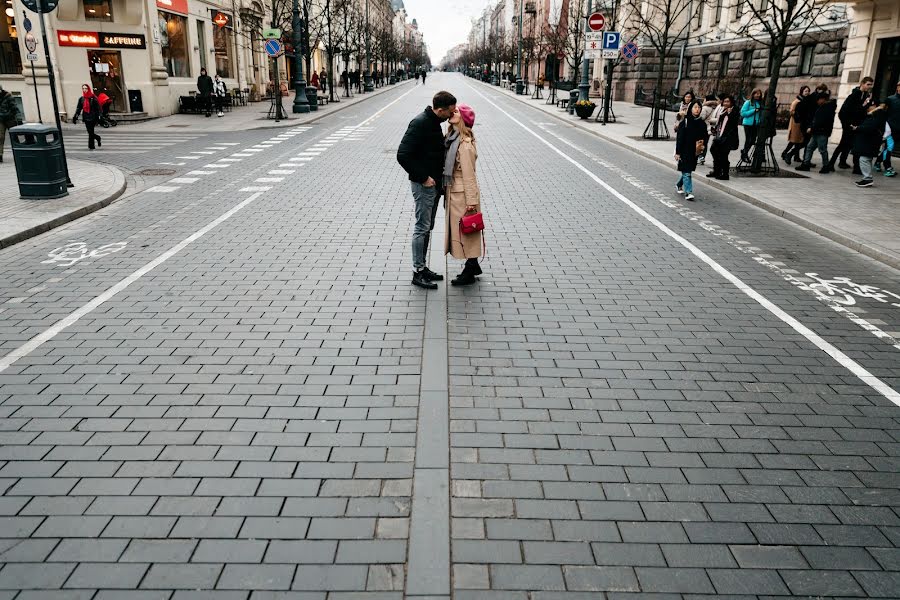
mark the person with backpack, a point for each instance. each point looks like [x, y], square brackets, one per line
[89, 108]
[9, 117]
[819, 131]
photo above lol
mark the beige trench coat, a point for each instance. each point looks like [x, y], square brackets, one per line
[463, 192]
[795, 130]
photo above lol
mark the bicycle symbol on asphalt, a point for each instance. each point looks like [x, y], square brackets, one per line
[845, 291]
[74, 252]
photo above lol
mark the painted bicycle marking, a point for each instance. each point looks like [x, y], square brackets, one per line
[75, 252]
[845, 291]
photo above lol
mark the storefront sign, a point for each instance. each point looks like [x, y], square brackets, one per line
[94, 39]
[221, 19]
[122, 40]
[83, 39]
[179, 6]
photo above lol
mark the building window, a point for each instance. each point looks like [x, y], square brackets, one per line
[718, 18]
[10, 58]
[98, 10]
[724, 60]
[224, 50]
[201, 44]
[747, 63]
[704, 66]
[807, 53]
[173, 39]
[738, 10]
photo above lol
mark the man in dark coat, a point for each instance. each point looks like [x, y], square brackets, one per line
[725, 139]
[852, 114]
[205, 87]
[867, 142]
[421, 154]
[9, 117]
[819, 131]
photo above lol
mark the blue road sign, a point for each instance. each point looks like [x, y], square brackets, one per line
[611, 40]
[630, 51]
[274, 48]
[27, 24]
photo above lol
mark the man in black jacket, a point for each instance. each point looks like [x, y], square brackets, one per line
[852, 114]
[205, 87]
[9, 115]
[421, 154]
[819, 131]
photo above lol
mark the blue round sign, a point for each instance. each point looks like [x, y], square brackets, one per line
[27, 24]
[630, 50]
[273, 48]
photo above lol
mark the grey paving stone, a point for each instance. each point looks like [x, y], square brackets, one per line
[484, 551]
[768, 557]
[34, 576]
[181, 577]
[157, 551]
[628, 555]
[527, 577]
[820, 583]
[675, 580]
[256, 577]
[106, 575]
[331, 578]
[86, 550]
[601, 579]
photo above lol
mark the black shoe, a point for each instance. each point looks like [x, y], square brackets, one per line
[472, 267]
[420, 281]
[825, 170]
[711, 174]
[864, 183]
[99, 143]
[844, 165]
[431, 275]
[804, 167]
[787, 159]
[464, 279]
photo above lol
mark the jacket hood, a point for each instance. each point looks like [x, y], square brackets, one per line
[711, 103]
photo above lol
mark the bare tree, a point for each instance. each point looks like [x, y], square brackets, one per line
[618, 15]
[662, 24]
[772, 23]
[575, 35]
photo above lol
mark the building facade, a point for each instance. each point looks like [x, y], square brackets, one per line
[873, 46]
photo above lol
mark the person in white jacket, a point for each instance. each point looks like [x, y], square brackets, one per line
[219, 93]
[707, 113]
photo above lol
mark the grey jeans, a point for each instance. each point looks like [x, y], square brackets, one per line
[820, 142]
[426, 211]
[865, 165]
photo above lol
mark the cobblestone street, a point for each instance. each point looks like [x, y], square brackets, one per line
[224, 386]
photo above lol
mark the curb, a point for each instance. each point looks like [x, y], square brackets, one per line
[834, 234]
[119, 185]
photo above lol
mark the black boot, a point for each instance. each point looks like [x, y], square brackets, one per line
[469, 272]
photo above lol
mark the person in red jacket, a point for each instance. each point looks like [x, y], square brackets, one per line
[89, 109]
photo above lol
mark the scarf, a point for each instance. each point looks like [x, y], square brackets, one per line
[451, 143]
[86, 101]
[723, 122]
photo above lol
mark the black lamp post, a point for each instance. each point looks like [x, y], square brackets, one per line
[368, 77]
[301, 102]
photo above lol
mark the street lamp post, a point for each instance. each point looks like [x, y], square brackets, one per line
[368, 77]
[301, 102]
[584, 86]
[519, 85]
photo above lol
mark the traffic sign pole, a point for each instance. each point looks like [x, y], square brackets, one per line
[586, 62]
[42, 5]
[31, 46]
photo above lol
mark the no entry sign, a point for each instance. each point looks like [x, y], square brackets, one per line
[596, 22]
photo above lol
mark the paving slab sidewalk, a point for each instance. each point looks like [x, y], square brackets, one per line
[96, 185]
[250, 117]
[866, 220]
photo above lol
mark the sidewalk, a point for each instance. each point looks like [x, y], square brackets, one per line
[866, 220]
[250, 117]
[96, 185]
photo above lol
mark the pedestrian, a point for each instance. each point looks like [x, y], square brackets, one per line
[417, 77]
[424, 73]
[867, 142]
[750, 120]
[819, 131]
[893, 116]
[463, 196]
[686, 102]
[344, 81]
[708, 116]
[323, 80]
[9, 117]
[807, 109]
[725, 139]
[89, 108]
[219, 92]
[421, 154]
[853, 112]
[688, 146]
[796, 135]
[884, 157]
[205, 87]
[314, 81]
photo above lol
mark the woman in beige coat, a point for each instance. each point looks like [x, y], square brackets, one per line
[463, 195]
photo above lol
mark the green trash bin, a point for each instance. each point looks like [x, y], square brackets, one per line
[40, 163]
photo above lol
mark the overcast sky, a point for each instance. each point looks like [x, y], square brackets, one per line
[444, 23]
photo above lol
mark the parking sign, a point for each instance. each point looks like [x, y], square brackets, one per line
[611, 40]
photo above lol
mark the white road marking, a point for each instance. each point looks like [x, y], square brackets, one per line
[202, 152]
[217, 166]
[188, 157]
[54, 330]
[162, 189]
[257, 188]
[243, 154]
[281, 172]
[230, 160]
[180, 164]
[184, 180]
[200, 172]
[848, 363]
[268, 179]
[301, 158]
[291, 165]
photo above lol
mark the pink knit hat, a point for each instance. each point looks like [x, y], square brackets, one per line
[467, 113]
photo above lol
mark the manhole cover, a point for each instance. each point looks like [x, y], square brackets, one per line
[151, 172]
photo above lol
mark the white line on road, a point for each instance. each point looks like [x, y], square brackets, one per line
[184, 180]
[851, 365]
[163, 189]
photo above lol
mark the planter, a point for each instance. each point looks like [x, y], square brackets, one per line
[585, 112]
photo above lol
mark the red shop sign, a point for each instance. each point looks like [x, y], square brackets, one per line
[180, 6]
[83, 39]
[221, 19]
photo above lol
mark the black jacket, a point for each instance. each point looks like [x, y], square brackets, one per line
[88, 117]
[853, 110]
[893, 115]
[421, 152]
[205, 85]
[728, 134]
[691, 131]
[9, 113]
[867, 141]
[823, 120]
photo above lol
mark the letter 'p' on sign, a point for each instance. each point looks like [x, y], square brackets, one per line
[611, 40]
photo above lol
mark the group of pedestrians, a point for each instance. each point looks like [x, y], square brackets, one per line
[212, 91]
[440, 164]
[320, 81]
[421, 73]
[712, 126]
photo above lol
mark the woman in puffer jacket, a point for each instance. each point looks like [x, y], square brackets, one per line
[708, 115]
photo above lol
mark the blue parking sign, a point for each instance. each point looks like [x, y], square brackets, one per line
[611, 40]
